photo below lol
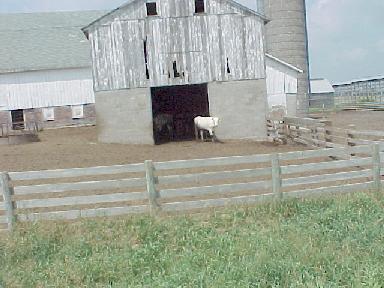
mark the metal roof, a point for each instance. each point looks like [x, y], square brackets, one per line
[380, 77]
[321, 85]
[41, 41]
[284, 63]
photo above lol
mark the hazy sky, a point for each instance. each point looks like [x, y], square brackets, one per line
[344, 35]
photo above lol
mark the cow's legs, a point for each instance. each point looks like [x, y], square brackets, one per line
[196, 133]
[170, 132]
[202, 135]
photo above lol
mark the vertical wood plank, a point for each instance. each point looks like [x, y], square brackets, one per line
[7, 196]
[151, 186]
[276, 176]
[376, 167]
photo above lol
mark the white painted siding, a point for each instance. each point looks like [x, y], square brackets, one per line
[47, 88]
[3, 100]
[281, 81]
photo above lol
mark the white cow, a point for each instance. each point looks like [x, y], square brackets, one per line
[208, 124]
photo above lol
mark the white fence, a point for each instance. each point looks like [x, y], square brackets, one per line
[154, 187]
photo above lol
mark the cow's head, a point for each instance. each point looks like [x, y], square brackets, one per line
[216, 121]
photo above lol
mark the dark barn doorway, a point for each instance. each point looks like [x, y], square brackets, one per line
[174, 109]
[17, 119]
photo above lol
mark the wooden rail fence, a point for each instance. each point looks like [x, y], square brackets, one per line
[154, 187]
[320, 134]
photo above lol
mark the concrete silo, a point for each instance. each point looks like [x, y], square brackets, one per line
[286, 37]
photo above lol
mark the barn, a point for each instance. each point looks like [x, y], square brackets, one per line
[180, 58]
[282, 85]
[45, 73]
[322, 94]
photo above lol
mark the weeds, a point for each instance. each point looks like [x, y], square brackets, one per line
[336, 242]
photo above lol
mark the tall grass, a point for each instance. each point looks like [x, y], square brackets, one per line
[335, 242]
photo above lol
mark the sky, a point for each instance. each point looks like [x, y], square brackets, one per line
[345, 36]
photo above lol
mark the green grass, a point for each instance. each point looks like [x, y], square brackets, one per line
[336, 242]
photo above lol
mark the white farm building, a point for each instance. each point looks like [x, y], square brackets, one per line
[45, 73]
[178, 59]
[213, 55]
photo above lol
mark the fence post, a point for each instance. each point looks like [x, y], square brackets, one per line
[7, 196]
[276, 176]
[151, 186]
[376, 169]
[351, 137]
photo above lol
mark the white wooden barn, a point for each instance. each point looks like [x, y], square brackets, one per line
[184, 58]
[282, 83]
[45, 73]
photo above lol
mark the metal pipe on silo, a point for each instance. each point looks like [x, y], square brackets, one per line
[286, 38]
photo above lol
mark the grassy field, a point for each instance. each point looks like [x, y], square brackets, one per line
[336, 242]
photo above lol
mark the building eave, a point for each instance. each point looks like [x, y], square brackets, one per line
[284, 63]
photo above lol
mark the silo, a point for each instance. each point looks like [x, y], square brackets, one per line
[286, 38]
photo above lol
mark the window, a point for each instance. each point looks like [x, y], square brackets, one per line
[49, 114]
[78, 112]
[17, 119]
[151, 9]
[199, 6]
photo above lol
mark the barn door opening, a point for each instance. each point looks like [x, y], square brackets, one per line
[17, 119]
[174, 109]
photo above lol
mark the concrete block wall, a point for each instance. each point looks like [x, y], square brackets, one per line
[125, 116]
[241, 107]
[5, 117]
[63, 117]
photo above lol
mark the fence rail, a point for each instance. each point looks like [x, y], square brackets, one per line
[319, 134]
[187, 184]
[20, 128]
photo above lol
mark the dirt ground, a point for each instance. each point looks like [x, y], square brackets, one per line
[78, 147]
[364, 120]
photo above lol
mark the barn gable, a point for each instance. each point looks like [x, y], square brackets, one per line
[136, 9]
[136, 51]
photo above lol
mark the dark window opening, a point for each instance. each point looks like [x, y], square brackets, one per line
[228, 69]
[146, 59]
[176, 73]
[151, 9]
[17, 119]
[199, 6]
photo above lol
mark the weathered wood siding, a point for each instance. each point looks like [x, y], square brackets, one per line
[201, 45]
[171, 8]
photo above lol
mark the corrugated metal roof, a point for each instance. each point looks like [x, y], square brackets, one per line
[380, 77]
[321, 86]
[39, 41]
